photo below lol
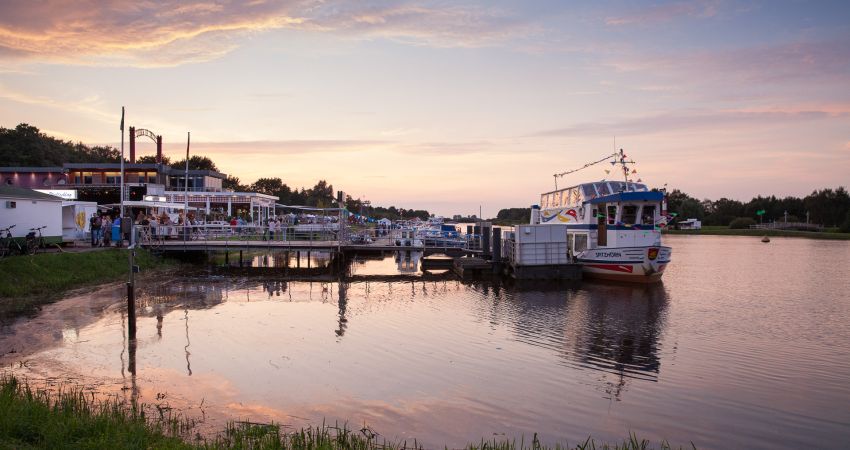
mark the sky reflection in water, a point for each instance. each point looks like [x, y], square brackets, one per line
[448, 363]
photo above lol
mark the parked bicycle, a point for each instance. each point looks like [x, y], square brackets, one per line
[8, 244]
[35, 240]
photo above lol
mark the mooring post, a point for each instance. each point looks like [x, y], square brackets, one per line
[240, 258]
[226, 258]
[497, 250]
[131, 297]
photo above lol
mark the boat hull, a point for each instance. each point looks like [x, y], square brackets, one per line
[630, 264]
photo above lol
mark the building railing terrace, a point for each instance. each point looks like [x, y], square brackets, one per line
[788, 226]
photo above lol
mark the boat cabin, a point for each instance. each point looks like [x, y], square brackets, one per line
[605, 214]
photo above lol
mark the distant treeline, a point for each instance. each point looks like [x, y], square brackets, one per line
[827, 207]
[26, 146]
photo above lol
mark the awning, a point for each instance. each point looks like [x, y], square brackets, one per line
[645, 196]
[144, 204]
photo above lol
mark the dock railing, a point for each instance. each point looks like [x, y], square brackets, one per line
[148, 235]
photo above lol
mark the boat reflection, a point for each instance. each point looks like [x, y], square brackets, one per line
[609, 328]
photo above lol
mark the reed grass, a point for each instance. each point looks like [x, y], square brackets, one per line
[70, 417]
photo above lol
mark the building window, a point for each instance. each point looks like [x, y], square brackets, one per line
[87, 178]
[45, 182]
[9, 181]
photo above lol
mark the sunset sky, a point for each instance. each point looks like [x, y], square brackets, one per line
[449, 105]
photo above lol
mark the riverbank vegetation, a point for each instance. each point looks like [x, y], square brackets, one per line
[32, 418]
[726, 231]
[29, 281]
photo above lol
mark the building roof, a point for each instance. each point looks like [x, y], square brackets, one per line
[16, 192]
[116, 166]
[31, 169]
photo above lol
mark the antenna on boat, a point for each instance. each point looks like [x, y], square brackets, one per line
[620, 158]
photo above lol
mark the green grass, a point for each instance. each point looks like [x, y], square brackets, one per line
[72, 418]
[28, 281]
[726, 231]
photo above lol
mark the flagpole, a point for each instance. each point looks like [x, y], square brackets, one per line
[186, 180]
[122, 162]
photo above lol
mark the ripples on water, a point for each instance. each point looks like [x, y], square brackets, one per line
[744, 345]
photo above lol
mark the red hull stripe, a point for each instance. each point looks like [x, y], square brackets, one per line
[614, 267]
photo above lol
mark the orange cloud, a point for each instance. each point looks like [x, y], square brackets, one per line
[171, 32]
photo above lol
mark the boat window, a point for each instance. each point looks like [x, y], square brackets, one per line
[588, 191]
[580, 242]
[543, 199]
[647, 216]
[612, 214]
[629, 214]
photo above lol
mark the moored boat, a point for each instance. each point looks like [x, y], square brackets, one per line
[613, 227]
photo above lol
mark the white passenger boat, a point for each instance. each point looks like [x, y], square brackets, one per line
[613, 227]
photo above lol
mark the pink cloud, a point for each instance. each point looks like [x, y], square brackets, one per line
[699, 119]
[776, 63]
[665, 13]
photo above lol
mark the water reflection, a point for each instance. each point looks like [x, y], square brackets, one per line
[613, 329]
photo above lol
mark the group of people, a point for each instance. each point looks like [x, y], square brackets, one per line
[101, 230]
[277, 228]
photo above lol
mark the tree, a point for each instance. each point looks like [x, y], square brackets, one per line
[232, 183]
[268, 186]
[684, 205]
[520, 215]
[26, 145]
[151, 159]
[196, 163]
[828, 207]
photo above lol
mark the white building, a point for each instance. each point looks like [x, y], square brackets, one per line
[690, 224]
[27, 209]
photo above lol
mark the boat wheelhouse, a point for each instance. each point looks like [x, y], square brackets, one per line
[613, 228]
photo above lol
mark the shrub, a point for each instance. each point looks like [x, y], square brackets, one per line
[845, 227]
[741, 222]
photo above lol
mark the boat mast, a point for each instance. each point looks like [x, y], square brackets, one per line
[620, 158]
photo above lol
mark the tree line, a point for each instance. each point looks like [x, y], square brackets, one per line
[26, 146]
[827, 207]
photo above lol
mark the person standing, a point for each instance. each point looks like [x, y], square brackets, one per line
[95, 224]
[106, 226]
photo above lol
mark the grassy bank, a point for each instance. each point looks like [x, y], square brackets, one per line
[28, 281]
[726, 231]
[70, 418]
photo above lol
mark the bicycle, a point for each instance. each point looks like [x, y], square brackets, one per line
[35, 242]
[8, 244]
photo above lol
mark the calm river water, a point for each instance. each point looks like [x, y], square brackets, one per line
[744, 345]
